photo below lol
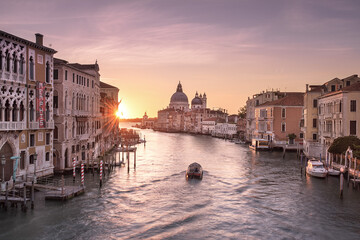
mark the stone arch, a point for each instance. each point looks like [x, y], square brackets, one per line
[7, 150]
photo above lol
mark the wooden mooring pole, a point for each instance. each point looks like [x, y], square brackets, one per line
[341, 184]
[135, 158]
[23, 207]
[32, 194]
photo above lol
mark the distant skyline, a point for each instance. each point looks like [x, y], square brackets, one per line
[228, 49]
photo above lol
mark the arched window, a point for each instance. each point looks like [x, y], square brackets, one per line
[65, 103]
[73, 101]
[31, 109]
[31, 68]
[22, 111]
[14, 63]
[47, 73]
[7, 61]
[56, 98]
[14, 112]
[73, 130]
[7, 111]
[56, 133]
[66, 131]
[47, 114]
[21, 64]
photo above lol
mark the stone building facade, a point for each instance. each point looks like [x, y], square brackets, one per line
[26, 106]
[77, 116]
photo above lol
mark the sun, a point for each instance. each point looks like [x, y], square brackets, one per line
[122, 112]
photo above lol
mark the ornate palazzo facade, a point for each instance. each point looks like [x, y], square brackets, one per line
[26, 103]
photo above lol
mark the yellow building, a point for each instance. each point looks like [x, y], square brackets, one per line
[314, 116]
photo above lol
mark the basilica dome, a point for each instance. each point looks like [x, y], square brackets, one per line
[196, 101]
[179, 96]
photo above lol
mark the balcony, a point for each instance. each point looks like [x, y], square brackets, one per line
[50, 125]
[83, 137]
[327, 134]
[12, 125]
[33, 125]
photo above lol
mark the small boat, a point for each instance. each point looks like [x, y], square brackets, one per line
[315, 168]
[238, 141]
[194, 171]
[333, 172]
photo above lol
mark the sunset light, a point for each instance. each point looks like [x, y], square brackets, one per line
[122, 111]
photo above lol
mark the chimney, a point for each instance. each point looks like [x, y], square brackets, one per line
[39, 39]
[307, 87]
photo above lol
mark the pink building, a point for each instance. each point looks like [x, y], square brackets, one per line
[277, 119]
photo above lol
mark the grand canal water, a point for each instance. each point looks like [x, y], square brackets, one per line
[243, 195]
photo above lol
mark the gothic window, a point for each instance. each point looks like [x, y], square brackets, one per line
[47, 156]
[7, 111]
[32, 111]
[31, 68]
[21, 64]
[7, 61]
[47, 73]
[73, 130]
[65, 74]
[14, 112]
[14, 63]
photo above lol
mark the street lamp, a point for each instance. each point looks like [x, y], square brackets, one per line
[3, 162]
[35, 158]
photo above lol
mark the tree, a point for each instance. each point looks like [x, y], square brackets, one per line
[242, 112]
[340, 145]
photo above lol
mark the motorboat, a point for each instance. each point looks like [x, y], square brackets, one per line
[194, 171]
[238, 141]
[333, 172]
[259, 144]
[315, 168]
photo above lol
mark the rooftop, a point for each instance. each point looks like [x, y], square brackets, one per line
[291, 99]
[26, 42]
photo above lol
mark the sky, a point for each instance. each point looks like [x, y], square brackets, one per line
[230, 49]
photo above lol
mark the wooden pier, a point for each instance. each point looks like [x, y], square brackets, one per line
[65, 193]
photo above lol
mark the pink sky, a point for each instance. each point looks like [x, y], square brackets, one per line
[228, 49]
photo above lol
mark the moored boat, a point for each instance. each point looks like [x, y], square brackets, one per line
[315, 168]
[194, 171]
[333, 172]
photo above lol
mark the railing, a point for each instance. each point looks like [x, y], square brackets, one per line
[34, 125]
[84, 137]
[50, 125]
[327, 134]
[12, 125]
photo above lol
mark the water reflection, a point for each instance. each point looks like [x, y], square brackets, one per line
[243, 194]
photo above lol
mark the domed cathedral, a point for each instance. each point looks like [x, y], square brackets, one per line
[179, 100]
[199, 101]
